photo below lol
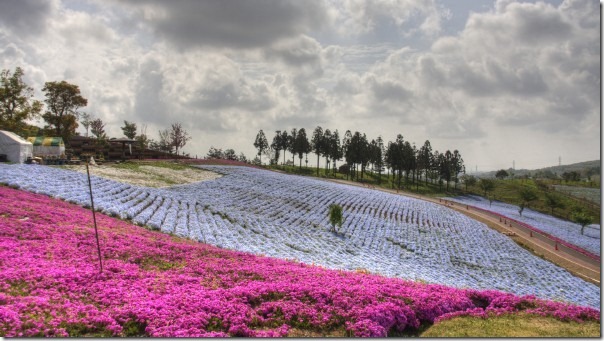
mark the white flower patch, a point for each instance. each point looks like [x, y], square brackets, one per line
[565, 230]
[286, 216]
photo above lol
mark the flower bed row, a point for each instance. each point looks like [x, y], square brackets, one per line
[564, 232]
[285, 216]
[159, 286]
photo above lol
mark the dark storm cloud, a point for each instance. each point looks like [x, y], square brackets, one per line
[25, 17]
[233, 24]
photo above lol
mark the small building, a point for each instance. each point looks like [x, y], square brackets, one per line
[13, 148]
[47, 146]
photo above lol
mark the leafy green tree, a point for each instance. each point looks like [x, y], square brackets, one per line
[16, 105]
[580, 217]
[335, 216]
[229, 154]
[469, 180]
[63, 101]
[553, 201]
[501, 174]
[97, 128]
[215, 153]
[261, 143]
[129, 129]
[571, 176]
[486, 185]
[527, 195]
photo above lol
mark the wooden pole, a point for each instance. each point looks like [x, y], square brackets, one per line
[96, 232]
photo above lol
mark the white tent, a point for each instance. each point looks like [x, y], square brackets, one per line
[14, 147]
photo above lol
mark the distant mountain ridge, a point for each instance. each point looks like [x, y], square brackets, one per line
[581, 167]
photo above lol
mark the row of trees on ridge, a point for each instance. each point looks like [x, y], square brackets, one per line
[400, 157]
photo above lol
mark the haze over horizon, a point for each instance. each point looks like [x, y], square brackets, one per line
[504, 82]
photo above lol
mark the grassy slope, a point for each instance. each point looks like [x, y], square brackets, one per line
[507, 191]
[518, 325]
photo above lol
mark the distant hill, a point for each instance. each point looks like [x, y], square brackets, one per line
[583, 168]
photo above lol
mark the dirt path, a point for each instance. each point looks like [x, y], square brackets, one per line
[575, 262]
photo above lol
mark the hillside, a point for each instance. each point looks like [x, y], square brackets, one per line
[580, 167]
[285, 216]
[157, 285]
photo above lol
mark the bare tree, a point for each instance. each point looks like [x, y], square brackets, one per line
[178, 137]
[164, 144]
[86, 120]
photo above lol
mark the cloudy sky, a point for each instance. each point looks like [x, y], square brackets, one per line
[501, 81]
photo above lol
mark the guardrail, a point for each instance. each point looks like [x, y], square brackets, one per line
[536, 230]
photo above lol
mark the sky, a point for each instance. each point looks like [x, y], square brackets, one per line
[506, 83]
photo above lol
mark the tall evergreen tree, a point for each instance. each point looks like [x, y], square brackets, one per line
[325, 148]
[335, 149]
[302, 144]
[277, 145]
[317, 144]
[261, 143]
[424, 159]
[291, 144]
[284, 143]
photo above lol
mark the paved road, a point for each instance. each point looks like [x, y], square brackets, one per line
[572, 260]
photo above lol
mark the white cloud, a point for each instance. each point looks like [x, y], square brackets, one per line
[517, 69]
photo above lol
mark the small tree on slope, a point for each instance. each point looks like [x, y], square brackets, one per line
[335, 216]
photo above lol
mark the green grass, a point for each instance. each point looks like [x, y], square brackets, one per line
[373, 179]
[135, 165]
[512, 325]
[508, 191]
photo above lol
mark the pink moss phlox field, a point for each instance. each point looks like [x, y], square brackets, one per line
[157, 285]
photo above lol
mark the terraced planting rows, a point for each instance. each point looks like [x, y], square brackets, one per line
[565, 230]
[285, 216]
[159, 286]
